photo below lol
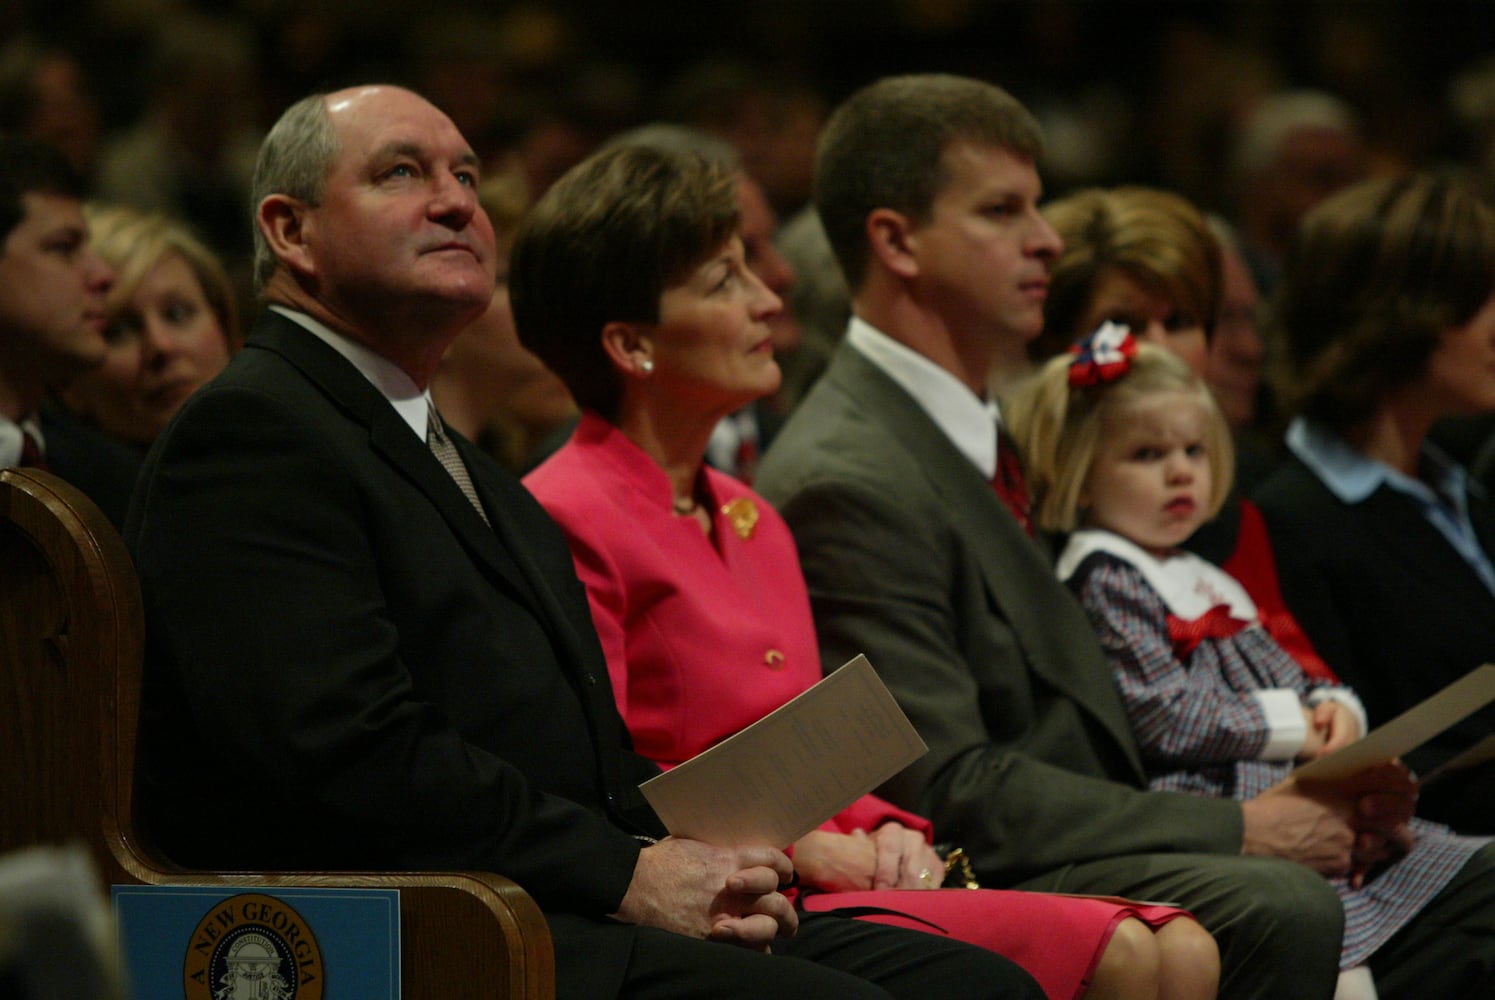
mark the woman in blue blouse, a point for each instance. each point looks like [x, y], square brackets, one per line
[1386, 320]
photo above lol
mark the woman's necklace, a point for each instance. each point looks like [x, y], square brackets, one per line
[685, 506]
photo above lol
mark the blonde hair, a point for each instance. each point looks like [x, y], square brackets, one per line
[1057, 428]
[132, 242]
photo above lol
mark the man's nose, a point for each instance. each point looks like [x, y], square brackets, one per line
[454, 201]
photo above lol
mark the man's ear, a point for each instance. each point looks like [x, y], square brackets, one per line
[281, 220]
[630, 348]
[889, 238]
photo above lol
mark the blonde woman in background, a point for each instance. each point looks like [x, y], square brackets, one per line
[172, 324]
[171, 327]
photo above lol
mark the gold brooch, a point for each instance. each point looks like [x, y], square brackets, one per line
[743, 514]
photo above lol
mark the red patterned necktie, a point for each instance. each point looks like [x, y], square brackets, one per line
[31, 452]
[1216, 623]
[1010, 483]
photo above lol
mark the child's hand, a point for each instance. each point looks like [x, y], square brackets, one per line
[1337, 723]
[1313, 743]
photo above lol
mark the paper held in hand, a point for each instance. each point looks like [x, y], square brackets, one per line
[793, 769]
[1409, 730]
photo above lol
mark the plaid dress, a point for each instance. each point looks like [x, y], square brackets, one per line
[1201, 724]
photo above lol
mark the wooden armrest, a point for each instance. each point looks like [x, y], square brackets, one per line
[462, 934]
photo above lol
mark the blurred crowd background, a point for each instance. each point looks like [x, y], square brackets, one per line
[161, 102]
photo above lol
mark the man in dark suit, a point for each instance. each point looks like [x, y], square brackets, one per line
[365, 654]
[52, 289]
[901, 500]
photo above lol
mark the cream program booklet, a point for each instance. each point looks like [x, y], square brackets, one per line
[793, 769]
[1409, 730]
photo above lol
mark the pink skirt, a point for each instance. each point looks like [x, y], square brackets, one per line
[1058, 939]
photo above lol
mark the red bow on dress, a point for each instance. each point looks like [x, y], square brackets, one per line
[1216, 623]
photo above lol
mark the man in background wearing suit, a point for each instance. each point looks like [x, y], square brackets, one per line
[367, 646]
[909, 520]
[52, 289]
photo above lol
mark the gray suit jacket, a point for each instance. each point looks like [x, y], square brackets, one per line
[912, 560]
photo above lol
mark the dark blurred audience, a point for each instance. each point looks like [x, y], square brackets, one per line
[489, 387]
[191, 152]
[770, 118]
[819, 299]
[45, 95]
[1237, 354]
[1293, 150]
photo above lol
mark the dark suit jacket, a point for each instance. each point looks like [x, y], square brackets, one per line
[348, 669]
[912, 559]
[103, 468]
[1390, 606]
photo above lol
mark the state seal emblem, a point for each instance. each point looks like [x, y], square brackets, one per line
[253, 947]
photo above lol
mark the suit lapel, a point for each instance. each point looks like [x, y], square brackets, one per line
[505, 497]
[1057, 638]
[391, 438]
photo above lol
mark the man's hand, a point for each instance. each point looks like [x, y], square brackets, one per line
[1385, 798]
[905, 860]
[726, 894]
[1387, 794]
[1337, 828]
[1314, 829]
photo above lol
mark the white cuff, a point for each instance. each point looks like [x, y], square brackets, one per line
[1286, 726]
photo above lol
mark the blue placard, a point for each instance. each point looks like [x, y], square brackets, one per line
[226, 942]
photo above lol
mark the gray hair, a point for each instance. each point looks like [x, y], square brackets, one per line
[293, 161]
[1279, 116]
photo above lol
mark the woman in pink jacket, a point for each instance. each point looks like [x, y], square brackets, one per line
[630, 280]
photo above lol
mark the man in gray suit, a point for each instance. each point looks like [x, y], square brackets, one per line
[928, 189]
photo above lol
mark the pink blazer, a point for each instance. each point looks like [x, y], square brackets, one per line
[702, 636]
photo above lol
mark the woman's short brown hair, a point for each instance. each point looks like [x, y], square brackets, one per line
[1156, 238]
[1373, 279]
[602, 245]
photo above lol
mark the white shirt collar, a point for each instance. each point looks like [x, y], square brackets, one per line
[411, 403]
[1353, 476]
[1187, 584]
[967, 420]
[10, 439]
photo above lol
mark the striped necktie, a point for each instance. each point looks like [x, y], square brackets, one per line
[446, 453]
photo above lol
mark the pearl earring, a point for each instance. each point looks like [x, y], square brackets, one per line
[646, 366]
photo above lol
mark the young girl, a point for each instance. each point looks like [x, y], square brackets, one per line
[1127, 449]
